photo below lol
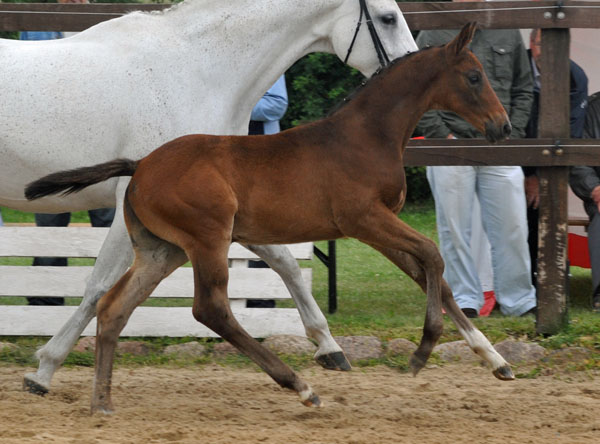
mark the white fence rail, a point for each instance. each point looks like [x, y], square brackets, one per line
[69, 282]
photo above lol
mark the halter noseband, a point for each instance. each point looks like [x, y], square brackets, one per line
[381, 54]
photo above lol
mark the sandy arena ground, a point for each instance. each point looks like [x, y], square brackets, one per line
[455, 404]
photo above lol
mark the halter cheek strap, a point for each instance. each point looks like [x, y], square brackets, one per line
[381, 54]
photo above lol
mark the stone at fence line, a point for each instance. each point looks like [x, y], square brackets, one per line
[86, 344]
[189, 349]
[400, 346]
[136, 348]
[9, 346]
[516, 352]
[290, 344]
[224, 349]
[358, 348]
[456, 351]
[567, 355]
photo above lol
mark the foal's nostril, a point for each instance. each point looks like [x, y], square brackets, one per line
[507, 129]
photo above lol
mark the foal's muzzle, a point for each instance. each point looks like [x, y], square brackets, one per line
[499, 130]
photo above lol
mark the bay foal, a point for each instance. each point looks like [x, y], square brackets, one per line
[339, 177]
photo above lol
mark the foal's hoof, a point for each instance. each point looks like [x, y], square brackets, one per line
[32, 386]
[416, 364]
[312, 401]
[334, 361]
[504, 373]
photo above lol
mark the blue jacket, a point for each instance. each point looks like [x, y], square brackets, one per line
[40, 35]
[271, 107]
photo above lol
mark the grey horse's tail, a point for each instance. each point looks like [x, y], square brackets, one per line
[72, 181]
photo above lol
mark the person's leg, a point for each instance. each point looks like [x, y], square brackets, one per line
[502, 197]
[594, 249]
[50, 220]
[453, 189]
[532, 240]
[102, 217]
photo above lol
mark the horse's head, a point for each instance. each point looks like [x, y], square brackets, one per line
[467, 91]
[360, 48]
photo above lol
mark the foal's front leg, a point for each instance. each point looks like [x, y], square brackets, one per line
[381, 228]
[476, 340]
[211, 308]
[329, 354]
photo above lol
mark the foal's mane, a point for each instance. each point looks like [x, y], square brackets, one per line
[365, 84]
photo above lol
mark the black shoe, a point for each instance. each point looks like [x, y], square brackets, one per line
[470, 312]
[531, 311]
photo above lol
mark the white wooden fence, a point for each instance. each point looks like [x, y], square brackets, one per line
[69, 282]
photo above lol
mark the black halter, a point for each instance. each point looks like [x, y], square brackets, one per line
[381, 54]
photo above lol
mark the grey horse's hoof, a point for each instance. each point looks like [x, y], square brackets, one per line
[31, 386]
[334, 361]
[504, 373]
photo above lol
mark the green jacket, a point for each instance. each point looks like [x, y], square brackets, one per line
[504, 59]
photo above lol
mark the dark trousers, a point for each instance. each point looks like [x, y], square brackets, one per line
[594, 249]
[532, 240]
[101, 217]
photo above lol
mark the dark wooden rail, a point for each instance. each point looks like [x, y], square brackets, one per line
[554, 151]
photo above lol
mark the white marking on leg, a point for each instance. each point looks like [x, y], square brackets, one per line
[480, 345]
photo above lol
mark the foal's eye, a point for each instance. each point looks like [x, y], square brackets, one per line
[474, 77]
[388, 19]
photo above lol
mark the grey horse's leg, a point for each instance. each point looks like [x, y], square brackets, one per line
[115, 256]
[329, 354]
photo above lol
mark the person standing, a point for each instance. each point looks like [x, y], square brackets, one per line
[500, 189]
[585, 183]
[264, 119]
[578, 100]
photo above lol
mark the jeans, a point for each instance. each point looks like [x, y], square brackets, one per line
[501, 195]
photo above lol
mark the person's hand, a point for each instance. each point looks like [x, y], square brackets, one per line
[532, 191]
[450, 136]
[596, 196]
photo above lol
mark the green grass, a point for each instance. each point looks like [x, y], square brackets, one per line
[374, 298]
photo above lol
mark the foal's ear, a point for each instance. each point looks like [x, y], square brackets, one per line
[461, 41]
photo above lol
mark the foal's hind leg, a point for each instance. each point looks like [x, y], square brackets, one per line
[154, 260]
[329, 354]
[211, 308]
[114, 258]
[476, 340]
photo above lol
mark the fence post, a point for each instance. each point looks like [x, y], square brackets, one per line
[553, 218]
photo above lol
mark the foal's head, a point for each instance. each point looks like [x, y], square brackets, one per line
[464, 89]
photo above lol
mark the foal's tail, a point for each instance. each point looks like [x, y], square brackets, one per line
[72, 181]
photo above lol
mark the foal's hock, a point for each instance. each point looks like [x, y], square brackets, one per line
[340, 177]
